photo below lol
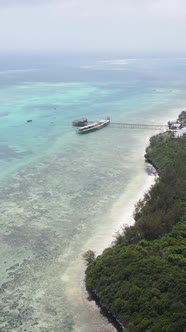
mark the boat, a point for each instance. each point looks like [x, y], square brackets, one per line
[93, 126]
[80, 122]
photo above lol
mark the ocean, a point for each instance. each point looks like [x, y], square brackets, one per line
[62, 193]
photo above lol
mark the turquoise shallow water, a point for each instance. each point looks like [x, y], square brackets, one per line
[52, 107]
[63, 193]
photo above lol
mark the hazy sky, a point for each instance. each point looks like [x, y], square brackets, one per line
[93, 25]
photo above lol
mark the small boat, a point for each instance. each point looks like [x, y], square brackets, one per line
[80, 122]
[93, 126]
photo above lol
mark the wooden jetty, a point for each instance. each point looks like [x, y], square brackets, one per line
[137, 125]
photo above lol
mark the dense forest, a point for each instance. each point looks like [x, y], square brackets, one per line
[141, 279]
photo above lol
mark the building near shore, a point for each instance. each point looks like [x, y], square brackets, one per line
[180, 132]
[174, 125]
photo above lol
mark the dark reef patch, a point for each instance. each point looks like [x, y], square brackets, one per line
[2, 115]
[7, 153]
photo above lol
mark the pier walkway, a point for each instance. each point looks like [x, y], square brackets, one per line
[137, 125]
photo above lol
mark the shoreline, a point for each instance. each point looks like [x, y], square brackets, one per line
[121, 211]
[106, 313]
[152, 173]
[92, 296]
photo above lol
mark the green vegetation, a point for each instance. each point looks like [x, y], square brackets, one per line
[165, 204]
[89, 257]
[142, 278]
[182, 118]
